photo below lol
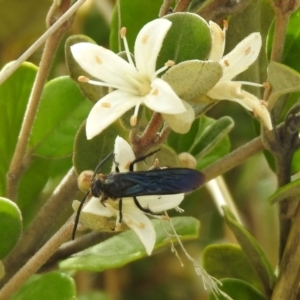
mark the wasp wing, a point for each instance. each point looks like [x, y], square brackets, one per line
[157, 182]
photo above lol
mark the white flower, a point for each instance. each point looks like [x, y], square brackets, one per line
[234, 63]
[133, 217]
[133, 84]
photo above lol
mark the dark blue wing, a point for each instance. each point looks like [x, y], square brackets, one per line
[157, 182]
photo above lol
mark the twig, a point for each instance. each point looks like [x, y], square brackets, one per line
[40, 41]
[288, 281]
[79, 244]
[16, 166]
[233, 159]
[35, 235]
[165, 8]
[37, 260]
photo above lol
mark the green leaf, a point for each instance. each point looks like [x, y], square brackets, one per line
[290, 55]
[188, 38]
[51, 286]
[90, 91]
[61, 112]
[229, 261]
[38, 181]
[283, 79]
[290, 190]
[88, 153]
[238, 290]
[10, 225]
[126, 247]
[208, 137]
[296, 162]
[14, 94]
[252, 250]
[2, 270]
[193, 78]
[207, 140]
[94, 296]
[146, 11]
[32, 182]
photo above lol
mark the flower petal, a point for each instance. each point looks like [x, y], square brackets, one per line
[228, 90]
[160, 203]
[181, 123]
[242, 56]
[259, 109]
[103, 64]
[163, 99]
[148, 44]
[231, 90]
[140, 224]
[123, 155]
[218, 42]
[94, 206]
[107, 110]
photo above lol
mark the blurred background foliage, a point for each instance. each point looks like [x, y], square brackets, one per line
[161, 275]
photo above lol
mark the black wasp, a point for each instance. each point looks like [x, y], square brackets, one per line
[158, 181]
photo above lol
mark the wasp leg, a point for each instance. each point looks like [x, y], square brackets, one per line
[120, 210]
[140, 159]
[144, 210]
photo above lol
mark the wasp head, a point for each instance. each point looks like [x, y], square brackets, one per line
[97, 185]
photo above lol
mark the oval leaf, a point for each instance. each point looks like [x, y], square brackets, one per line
[283, 79]
[253, 251]
[52, 286]
[10, 225]
[229, 261]
[289, 191]
[211, 136]
[14, 95]
[61, 112]
[126, 247]
[193, 78]
[88, 153]
[146, 11]
[238, 290]
[188, 38]
[198, 140]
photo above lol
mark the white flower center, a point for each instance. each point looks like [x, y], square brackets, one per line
[145, 88]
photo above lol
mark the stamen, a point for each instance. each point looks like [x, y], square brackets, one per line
[123, 36]
[226, 63]
[170, 63]
[133, 119]
[225, 24]
[123, 88]
[123, 31]
[250, 83]
[160, 71]
[83, 79]
[267, 85]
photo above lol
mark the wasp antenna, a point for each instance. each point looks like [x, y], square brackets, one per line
[101, 163]
[141, 158]
[76, 221]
